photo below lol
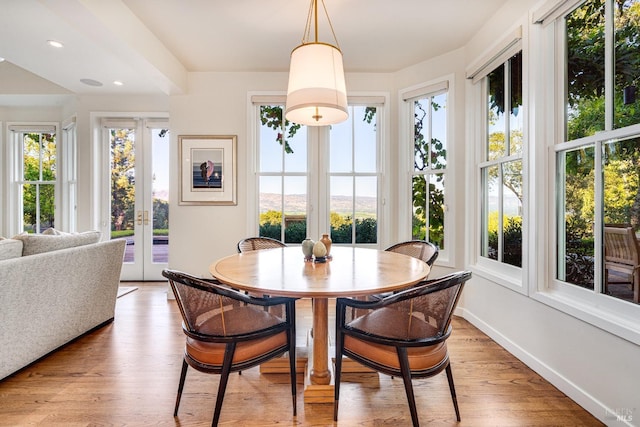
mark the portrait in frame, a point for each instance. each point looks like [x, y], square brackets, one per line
[207, 169]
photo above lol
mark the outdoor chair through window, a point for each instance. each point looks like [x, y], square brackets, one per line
[402, 335]
[229, 331]
[622, 255]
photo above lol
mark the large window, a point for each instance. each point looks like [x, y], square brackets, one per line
[314, 180]
[501, 165]
[35, 172]
[429, 134]
[598, 162]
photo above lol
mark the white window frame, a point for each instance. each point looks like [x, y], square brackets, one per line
[69, 189]
[509, 276]
[610, 314]
[317, 165]
[407, 96]
[13, 163]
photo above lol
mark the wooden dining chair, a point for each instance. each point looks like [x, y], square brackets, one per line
[257, 243]
[403, 334]
[229, 331]
[420, 249]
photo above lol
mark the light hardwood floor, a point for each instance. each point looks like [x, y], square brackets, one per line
[126, 374]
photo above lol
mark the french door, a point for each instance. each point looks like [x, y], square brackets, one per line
[139, 193]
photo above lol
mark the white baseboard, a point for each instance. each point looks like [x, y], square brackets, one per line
[578, 395]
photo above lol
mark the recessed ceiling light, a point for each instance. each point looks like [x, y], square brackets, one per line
[118, 83]
[54, 43]
[1, 59]
[91, 82]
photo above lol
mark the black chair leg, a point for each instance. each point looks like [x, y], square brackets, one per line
[452, 388]
[292, 369]
[408, 386]
[336, 390]
[183, 375]
[224, 378]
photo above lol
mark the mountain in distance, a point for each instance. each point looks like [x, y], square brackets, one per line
[297, 204]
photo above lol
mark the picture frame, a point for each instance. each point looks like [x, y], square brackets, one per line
[208, 169]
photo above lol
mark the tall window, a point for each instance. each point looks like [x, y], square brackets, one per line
[282, 176]
[34, 191]
[501, 168]
[429, 134]
[353, 187]
[598, 163]
[313, 180]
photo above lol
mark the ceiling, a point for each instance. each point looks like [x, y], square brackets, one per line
[151, 45]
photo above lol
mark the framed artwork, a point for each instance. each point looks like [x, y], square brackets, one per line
[207, 169]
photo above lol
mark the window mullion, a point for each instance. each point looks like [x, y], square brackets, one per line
[609, 65]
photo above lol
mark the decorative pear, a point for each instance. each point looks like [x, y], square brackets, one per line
[307, 248]
[319, 250]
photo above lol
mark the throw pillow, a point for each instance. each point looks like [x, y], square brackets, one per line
[53, 232]
[39, 243]
[10, 248]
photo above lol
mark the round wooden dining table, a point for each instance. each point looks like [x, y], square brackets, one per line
[351, 272]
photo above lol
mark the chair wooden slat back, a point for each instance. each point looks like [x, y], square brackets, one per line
[621, 246]
[622, 254]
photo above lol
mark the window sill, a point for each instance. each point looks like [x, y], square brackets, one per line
[614, 316]
[503, 274]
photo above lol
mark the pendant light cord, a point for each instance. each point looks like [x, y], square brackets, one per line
[313, 15]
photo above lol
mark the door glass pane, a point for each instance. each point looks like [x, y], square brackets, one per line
[160, 195]
[341, 146]
[436, 209]
[512, 213]
[627, 63]
[439, 132]
[122, 146]
[364, 129]
[341, 209]
[576, 204]
[271, 138]
[621, 182]
[491, 213]
[295, 156]
[516, 114]
[496, 147]
[421, 126]
[419, 221]
[585, 106]
[270, 201]
[295, 208]
[365, 210]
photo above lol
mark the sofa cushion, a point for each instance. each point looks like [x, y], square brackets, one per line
[39, 243]
[10, 248]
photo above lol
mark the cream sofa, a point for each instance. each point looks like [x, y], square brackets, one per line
[54, 288]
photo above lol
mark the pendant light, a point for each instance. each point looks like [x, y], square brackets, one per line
[317, 94]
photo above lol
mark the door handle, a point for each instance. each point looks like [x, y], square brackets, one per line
[146, 217]
[139, 218]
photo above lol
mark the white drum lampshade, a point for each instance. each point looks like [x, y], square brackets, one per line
[317, 94]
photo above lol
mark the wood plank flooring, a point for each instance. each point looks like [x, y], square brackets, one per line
[126, 374]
